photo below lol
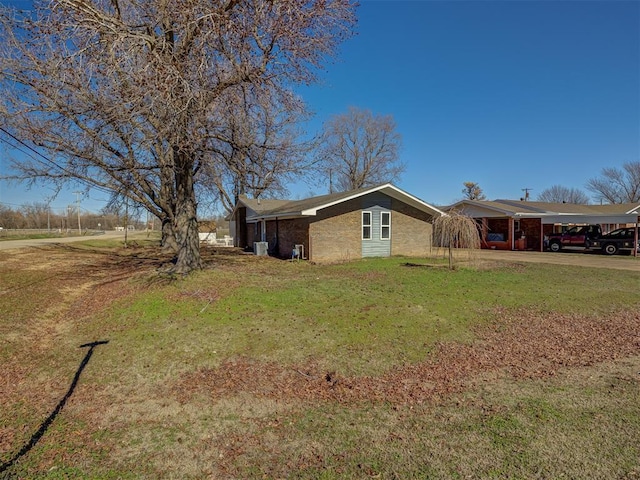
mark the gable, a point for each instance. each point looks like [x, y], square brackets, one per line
[311, 207]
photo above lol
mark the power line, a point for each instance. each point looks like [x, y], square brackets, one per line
[53, 208]
[48, 160]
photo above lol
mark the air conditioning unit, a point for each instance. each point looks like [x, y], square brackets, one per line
[261, 248]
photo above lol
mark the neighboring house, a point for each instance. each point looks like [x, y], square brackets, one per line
[522, 225]
[378, 221]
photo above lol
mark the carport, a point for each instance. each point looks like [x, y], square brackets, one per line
[522, 225]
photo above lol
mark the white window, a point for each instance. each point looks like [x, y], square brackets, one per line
[366, 225]
[385, 225]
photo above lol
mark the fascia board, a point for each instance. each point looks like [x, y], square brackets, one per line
[284, 216]
[634, 211]
[563, 218]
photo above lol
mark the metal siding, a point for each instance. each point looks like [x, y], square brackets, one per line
[376, 203]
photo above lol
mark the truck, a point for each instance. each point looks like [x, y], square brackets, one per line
[578, 236]
[616, 240]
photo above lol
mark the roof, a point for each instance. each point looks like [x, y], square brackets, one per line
[269, 208]
[553, 212]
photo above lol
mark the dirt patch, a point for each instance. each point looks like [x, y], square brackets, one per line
[519, 345]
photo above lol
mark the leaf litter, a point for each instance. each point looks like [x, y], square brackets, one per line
[520, 344]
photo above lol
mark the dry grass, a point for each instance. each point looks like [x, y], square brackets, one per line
[228, 374]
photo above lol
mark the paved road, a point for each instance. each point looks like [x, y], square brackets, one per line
[13, 244]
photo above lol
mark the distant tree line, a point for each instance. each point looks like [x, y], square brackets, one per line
[39, 216]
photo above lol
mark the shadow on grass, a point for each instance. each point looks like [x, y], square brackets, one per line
[35, 438]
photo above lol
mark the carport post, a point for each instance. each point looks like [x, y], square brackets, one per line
[635, 239]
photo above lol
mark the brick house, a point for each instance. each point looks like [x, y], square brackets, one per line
[522, 225]
[377, 221]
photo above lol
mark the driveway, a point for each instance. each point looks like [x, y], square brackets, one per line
[577, 258]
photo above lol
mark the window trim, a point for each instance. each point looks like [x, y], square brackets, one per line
[383, 226]
[367, 225]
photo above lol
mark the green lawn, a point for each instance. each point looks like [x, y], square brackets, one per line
[259, 368]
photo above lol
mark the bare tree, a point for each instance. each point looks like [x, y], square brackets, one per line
[257, 140]
[617, 186]
[10, 218]
[121, 94]
[360, 149]
[472, 191]
[455, 230]
[37, 215]
[560, 194]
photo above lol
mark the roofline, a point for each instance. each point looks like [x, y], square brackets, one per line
[313, 211]
[541, 214]
[481, 205]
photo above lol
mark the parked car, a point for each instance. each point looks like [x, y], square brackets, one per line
[616, 240]
[578, 236]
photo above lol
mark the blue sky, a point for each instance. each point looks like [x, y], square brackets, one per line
[509, 94]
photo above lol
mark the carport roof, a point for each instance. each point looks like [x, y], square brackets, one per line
[554, 212]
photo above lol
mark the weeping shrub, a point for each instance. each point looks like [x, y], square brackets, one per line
[455, 230]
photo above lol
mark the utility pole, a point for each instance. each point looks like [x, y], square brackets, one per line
[78, 207]
[526, 193]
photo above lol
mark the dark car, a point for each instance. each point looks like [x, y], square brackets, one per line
[619, 239]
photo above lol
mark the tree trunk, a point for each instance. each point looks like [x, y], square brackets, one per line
[186, 222]
[169, 243]
[189, 241]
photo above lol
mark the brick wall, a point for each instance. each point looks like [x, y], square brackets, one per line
[271, 236]
[411, 230]
[290, 233]
[251, 234]
[531, 228]
[335, 233]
